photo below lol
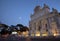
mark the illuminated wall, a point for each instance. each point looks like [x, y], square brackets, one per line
[43, 22]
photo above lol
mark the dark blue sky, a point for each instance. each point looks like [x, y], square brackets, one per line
[13, 12]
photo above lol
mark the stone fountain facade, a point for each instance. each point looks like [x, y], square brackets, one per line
[44, 22]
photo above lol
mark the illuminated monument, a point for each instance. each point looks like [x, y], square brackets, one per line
[43, 22]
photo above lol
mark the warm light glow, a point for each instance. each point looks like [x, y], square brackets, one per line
[25, 34]
[37, 35]
[44, 34]
[56, 34]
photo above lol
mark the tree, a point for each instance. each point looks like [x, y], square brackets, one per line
[25, 28]
[20, 25]
[22, 28]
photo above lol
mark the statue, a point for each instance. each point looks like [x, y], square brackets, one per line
[37, 8]
[46, 6]
[54, 10]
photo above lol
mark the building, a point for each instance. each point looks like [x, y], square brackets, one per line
[44, 22]
[3, 26]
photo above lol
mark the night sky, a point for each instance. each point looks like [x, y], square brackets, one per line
[13, 12]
